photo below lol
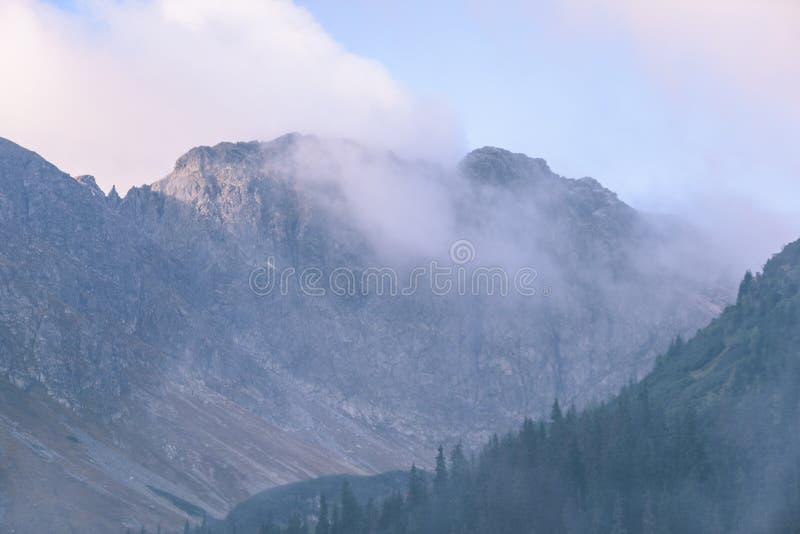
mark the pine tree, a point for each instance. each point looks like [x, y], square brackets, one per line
[336, 520]
[351, 511]
[370, 516]
[459, 469]
[555, 413]
[648, 516]
[393, 514]
[442, 510]
[440, 480]
[746, 288]
[296, 526]
[618, 519]
[269, 527]
[416, 488]
[323, 523]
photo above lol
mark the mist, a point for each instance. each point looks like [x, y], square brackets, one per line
[120, 89]
[131, 96]
[543, 212]
[728, 71]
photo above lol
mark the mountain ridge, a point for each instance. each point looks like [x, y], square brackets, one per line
[137, 313]
[707, 442]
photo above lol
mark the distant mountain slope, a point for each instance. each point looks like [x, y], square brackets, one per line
[422, 360]
[138, 314]
[757, 339]
[301, 499]
[98, 317]
[709, 442]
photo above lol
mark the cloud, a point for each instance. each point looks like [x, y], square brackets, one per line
[729, 75]
[120, 89]
[750, 46]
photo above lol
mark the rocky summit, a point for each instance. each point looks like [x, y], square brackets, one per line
[268, 312]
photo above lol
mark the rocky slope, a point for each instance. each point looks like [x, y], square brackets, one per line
[140, 323]
[707, 442]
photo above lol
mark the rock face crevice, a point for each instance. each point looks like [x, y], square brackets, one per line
[137, 314]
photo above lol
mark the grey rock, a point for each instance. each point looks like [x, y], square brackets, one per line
[137, 316]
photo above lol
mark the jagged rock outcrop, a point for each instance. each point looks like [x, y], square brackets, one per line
[140, 314]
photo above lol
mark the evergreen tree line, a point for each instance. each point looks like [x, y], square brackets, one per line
[708, 443]
[627, 467]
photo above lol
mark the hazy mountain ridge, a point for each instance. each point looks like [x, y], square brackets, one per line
[87, 315]
[139, 312]
[254, 204]
[708, 442]
[69, 287]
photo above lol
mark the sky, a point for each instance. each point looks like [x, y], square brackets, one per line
[682, 106]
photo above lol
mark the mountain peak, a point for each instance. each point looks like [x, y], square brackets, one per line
[88, 181]
[113, 197]
[786, 260]
[8, 147]
[225, 153]
[23, 172]
[233, 153]
[498, 166]
[14, 156]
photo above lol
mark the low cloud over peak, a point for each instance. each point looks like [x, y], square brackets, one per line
[119, 89]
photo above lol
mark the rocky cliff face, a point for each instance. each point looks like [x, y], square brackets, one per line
[149, 317]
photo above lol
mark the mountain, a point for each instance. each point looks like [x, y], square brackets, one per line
[301, 499]
[709, 442]
[167, 382]
[227, 210]
[91, 313]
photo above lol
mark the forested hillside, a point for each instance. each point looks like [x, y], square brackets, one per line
[708, 442]
[139, 327]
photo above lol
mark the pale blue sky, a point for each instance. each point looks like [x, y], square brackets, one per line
[674, 114]
[586, 101]
[587, 97]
